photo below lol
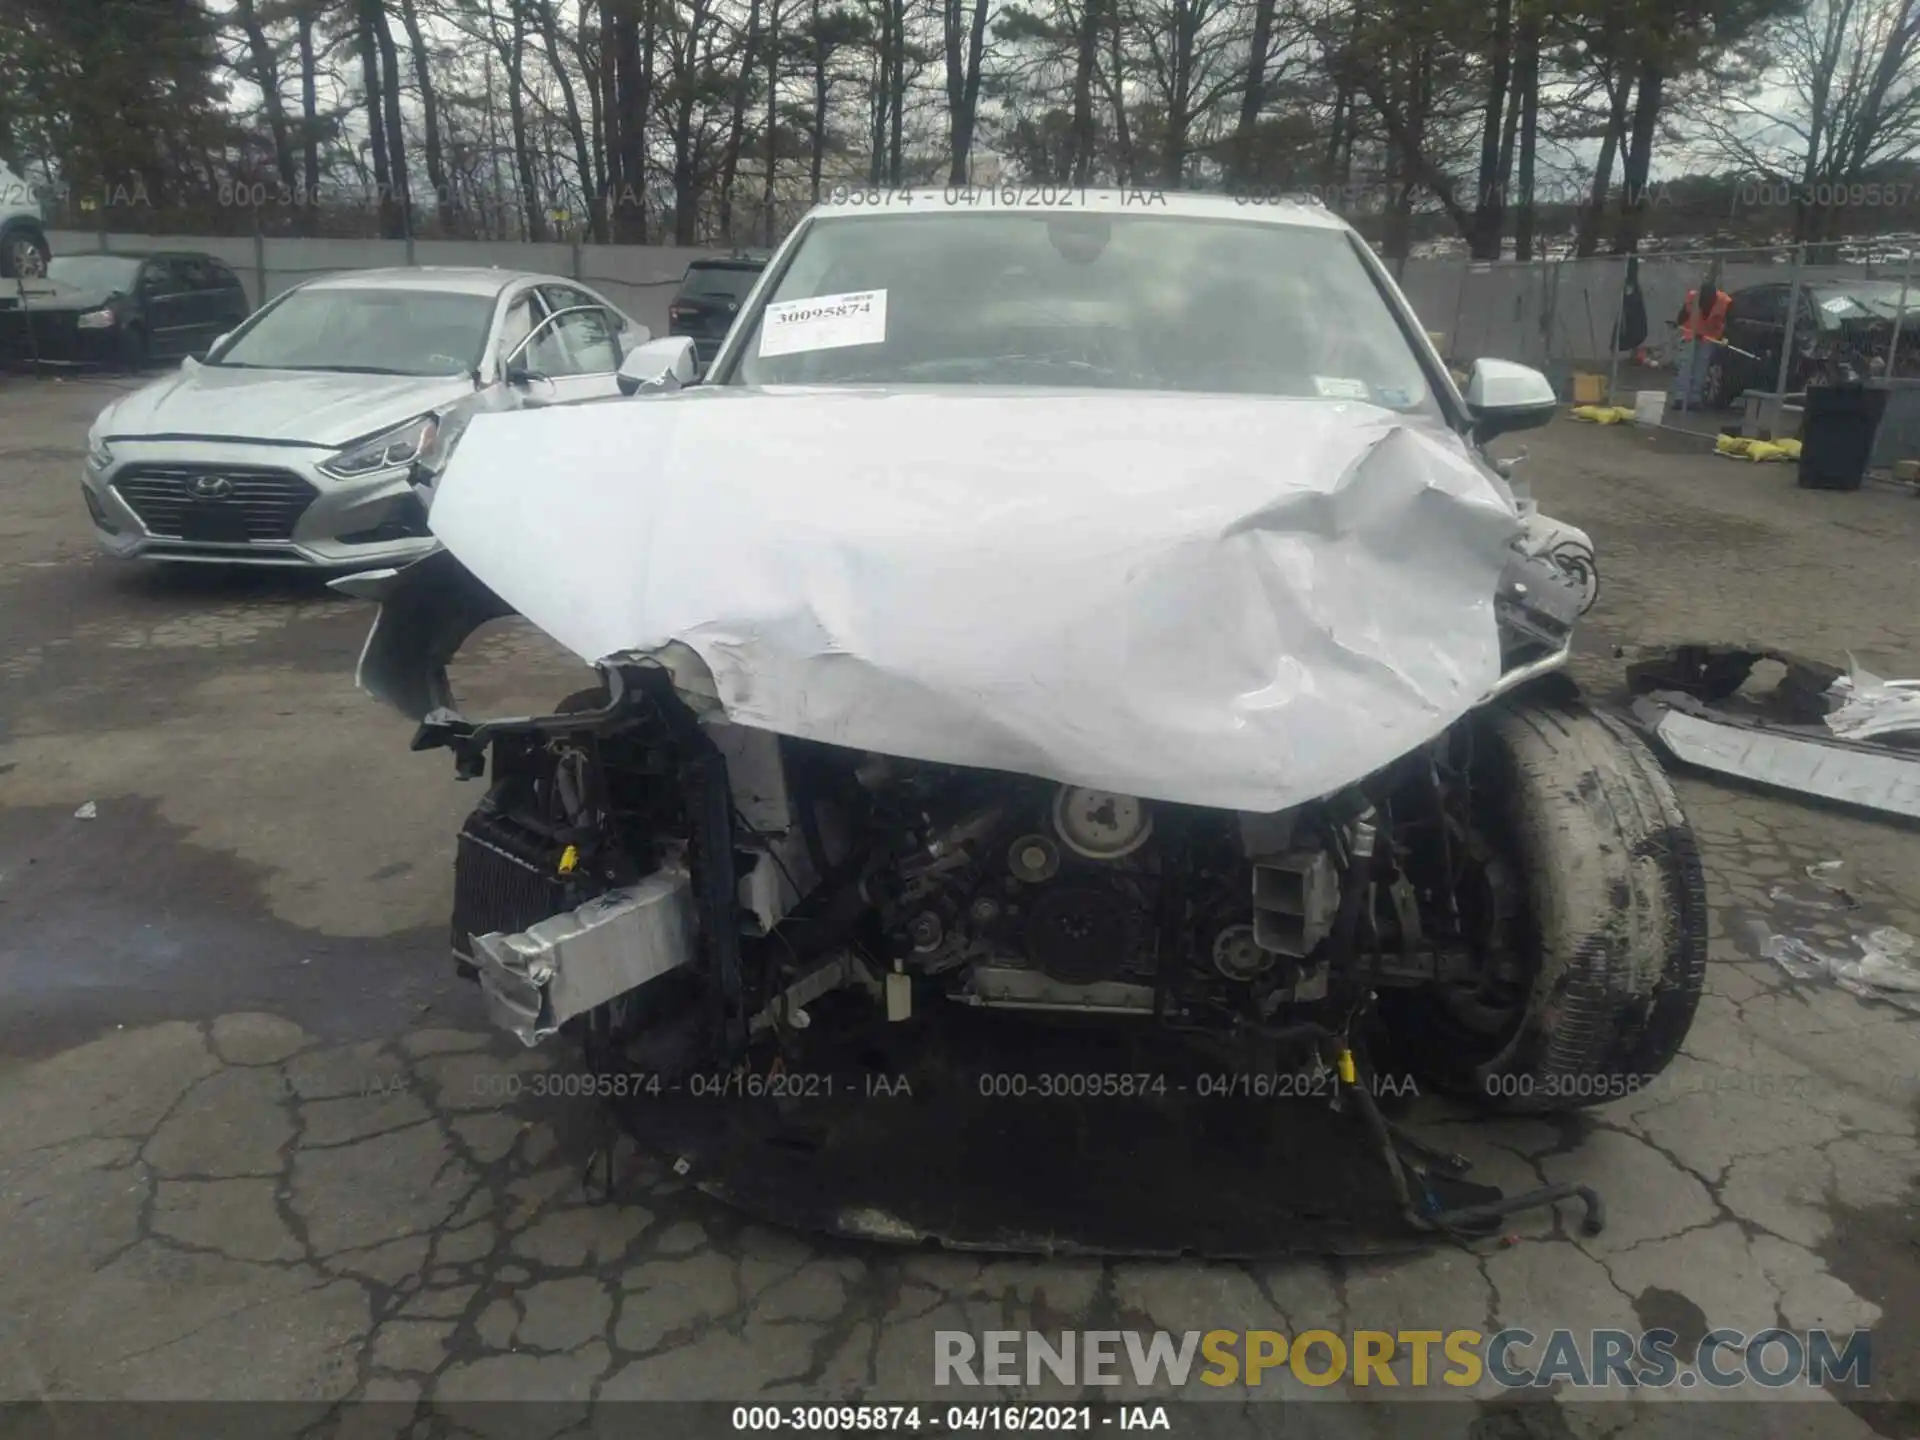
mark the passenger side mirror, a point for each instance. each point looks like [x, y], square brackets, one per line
[1504, 397]
[664, 364]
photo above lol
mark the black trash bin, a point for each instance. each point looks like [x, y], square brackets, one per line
[1836, 435]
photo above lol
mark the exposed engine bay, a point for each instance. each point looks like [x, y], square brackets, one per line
[631, 837]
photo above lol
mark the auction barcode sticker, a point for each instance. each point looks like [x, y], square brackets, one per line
[826, 322]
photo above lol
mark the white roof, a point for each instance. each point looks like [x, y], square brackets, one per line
[1261, 205]
[448, 279]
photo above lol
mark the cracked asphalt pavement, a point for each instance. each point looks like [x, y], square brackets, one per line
[255, 1143]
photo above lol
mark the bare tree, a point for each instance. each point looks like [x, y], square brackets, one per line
[1841, 98]
[964, 33]
[429, 117]
[1188, 71]
[743, 81]
[265, 71]
[309, 121]
[772, 136]
[576, 129]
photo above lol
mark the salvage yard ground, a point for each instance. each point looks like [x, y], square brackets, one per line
[243, 1152]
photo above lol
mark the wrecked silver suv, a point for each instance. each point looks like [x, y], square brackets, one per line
[1090, 609]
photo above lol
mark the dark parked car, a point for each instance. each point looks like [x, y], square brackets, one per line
[123, 309]
[710, 295]
[1840, 328]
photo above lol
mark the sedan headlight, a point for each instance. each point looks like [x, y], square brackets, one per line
[389, 450]
[439, 447]
[99, 453]
[96, 320]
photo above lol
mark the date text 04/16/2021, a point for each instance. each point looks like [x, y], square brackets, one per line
[989, 197]
[947, 1419]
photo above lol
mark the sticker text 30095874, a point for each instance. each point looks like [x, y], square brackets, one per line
[823, 322]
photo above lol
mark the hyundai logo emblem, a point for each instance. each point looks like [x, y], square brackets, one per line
[212, 487]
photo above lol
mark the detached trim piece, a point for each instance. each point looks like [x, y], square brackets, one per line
[1872, 776]
[563, 966]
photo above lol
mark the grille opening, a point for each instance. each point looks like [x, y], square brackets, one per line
[228, 504]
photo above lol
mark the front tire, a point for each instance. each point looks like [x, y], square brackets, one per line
[24, 253]
[1612, 918]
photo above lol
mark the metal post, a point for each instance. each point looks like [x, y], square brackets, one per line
[259, 264]
[1786, 337]
[1692, 351]
[1459, 305]
[1899, 318]
[1613, 336]
[578, 273]
[1549, 312]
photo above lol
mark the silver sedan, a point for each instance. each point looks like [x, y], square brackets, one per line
[295, 442]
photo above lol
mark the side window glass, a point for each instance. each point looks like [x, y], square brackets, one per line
[581, 343]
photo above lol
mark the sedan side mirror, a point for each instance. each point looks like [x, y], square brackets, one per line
[1504, 397]
[664, 364]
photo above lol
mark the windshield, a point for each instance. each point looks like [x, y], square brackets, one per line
[1877, 298]
[722, 282]
[94, 272]
[1153, 302]
[373, 331]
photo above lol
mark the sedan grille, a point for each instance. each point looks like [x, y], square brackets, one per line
[216, 503]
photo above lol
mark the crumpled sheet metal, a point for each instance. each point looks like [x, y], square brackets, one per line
[566, 964]
[1852, 773]
[1242, 603]
[1868, 707]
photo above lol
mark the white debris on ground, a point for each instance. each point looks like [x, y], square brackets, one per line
[1870, 706]
[87, 811]
[1886, 968]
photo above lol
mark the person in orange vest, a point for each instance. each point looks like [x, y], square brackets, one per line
[1703, 328]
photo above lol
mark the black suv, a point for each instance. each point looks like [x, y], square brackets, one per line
[709, 297]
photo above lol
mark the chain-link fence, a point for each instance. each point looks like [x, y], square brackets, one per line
[1567, 316]
[1793, 321]
[640, 279]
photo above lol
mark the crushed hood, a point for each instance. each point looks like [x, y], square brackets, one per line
[1242, 603]
[325, 408]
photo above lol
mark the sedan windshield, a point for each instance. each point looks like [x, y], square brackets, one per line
[371, 331]
[94, 272]
[1153, 302]
[1876, 298]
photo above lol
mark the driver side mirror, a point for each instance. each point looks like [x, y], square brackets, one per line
[1505, 397]
[664, 364]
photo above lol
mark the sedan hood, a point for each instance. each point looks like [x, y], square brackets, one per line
[323, 408]
[1241, 603]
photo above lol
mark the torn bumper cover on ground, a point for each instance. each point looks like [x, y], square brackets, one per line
[1234, 602]
[1813, 732]
[566, 964]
